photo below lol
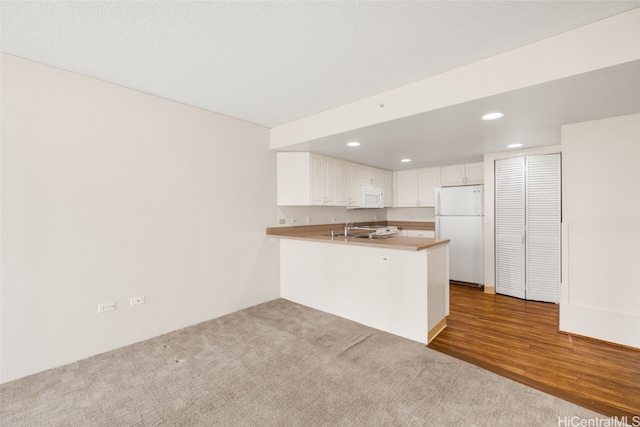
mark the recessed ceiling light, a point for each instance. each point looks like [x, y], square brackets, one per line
[353, 144]
[405, 160]
[492, 116]
[514, 145]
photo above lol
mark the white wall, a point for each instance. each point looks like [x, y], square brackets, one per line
[108, 194]
[601, 231]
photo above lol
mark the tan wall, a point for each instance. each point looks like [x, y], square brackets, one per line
[108, 194]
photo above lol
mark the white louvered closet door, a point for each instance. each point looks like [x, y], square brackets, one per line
[543, 228]
[510, 226]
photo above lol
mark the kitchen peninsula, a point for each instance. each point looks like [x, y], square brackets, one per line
[396, 284]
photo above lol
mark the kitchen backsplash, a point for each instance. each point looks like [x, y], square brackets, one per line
[411, 214]
[312, 215]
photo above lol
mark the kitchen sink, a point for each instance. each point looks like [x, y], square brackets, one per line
[361, 236]
[349, 236]
[374, 236]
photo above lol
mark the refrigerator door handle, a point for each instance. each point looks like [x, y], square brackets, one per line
[437, 201]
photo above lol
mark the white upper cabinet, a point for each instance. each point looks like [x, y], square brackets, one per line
[474, 173]
[342, 183]
[405, 188]
[428, 181]
[386, 182]
[364, 175]
[416, 187]
[306, 179]
[294, 177]
[353, 195]
[374, 177]
[317, 180]
[464, 174]
[329, 181]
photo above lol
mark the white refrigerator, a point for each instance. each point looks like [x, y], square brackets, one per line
[459, 218]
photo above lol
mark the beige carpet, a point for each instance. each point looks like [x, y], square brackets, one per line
[276, 364]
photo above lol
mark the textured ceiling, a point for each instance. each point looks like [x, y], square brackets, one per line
[274, 62]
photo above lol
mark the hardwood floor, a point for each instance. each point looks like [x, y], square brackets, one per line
[520, 340]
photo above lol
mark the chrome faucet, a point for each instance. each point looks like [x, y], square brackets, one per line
[346, 228]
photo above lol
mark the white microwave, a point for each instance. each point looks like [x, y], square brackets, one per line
[371, 197]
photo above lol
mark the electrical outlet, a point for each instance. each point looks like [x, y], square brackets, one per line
[137, 300]
[293, 221]
[282, 221]
[109, 306]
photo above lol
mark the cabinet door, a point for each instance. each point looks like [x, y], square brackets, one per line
[428, 181]
[294, 179]
[353, 197]
[365, 174]
[453, 175]
[374, 177]
[317, 181]
[386, 182]
[406, 188]
[474, 173]
[342, 183]
[329, 180]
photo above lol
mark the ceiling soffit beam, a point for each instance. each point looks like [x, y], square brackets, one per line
[604, 43]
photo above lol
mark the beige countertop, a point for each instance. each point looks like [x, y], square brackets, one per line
[321, 233]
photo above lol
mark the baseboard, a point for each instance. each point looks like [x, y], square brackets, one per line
[490, 290]
[470, 284]
[604, 325]
[436, 330]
